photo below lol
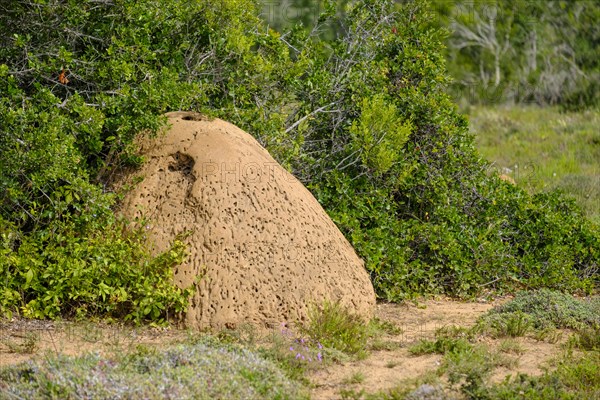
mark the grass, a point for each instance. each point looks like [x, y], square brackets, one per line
[468, 365]
[355, 378]
[28, 344]
[240, 364]
[447, 339]
[511, 346]
[543, 149]
[576, 377]
[334, 326]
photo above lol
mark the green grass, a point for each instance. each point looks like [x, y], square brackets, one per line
[542, 149]
[334, 326]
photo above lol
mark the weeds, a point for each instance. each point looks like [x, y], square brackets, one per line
[334, 326]
[588, 338]
[513, 324]
[28, 345]
[511, 346]
[447, 339]
[574, 378]
[355, 378]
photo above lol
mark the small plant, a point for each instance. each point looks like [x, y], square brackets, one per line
[377, 325]
[511, 346]
[295, 355]
[549, 335]
[351, 394]
[355, 378]
[469, 368]
[440, 345]
[334, 326]
[588, 338]
[28, 345]
[379, 344]
[447, 339]
[514, 324]
[425, 387]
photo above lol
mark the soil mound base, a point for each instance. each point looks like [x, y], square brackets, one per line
[261, 247]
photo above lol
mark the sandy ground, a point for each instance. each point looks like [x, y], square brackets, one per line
[381, 370]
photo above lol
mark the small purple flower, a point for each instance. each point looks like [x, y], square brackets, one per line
[291, 348]
[319, 357]
[320, 345]
[299, 355]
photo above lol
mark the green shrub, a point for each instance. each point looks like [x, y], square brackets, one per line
[107, 273]
[75, 89]
[363, 119]
[544, 308]
[469, 368]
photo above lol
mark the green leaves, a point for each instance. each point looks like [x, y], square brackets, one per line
[379, 134]
[102, 274]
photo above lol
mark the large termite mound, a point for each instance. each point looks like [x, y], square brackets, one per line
[262, 249]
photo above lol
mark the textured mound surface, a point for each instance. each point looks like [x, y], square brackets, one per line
[261, 243]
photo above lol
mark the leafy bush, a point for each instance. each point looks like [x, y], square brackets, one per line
[75, 90]
[436, 221]
[362, 119]
[108, 272]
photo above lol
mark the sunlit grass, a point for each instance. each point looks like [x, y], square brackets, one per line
[543, 149]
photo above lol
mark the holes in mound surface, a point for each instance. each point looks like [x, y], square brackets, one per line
[193, 117]
[182, 163]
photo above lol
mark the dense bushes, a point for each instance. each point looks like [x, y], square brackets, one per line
[434, 219]
[363, 120]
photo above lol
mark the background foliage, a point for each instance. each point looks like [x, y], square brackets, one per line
[362, 117]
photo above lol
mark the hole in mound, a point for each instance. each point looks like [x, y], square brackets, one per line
[193, 117]
[182, 162]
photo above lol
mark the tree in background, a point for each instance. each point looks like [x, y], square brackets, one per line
[499, 50]
[524, 51]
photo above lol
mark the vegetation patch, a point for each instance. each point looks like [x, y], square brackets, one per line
[199, 371]
[335, 326]
[543, 309]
